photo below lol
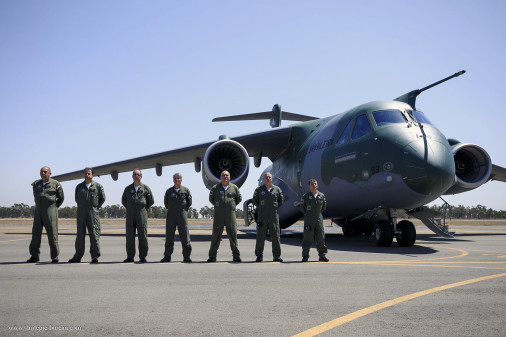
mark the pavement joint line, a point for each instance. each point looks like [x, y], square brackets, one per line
[470, 262]
[369, 310]
[390, 263]
[15, 240]
[59, 234]
[408, 264]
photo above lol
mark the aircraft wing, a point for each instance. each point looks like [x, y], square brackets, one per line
[498, 173]
[270, 143]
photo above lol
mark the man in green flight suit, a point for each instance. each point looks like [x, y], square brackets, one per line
[177, 200]
[224, 197]
[48, 195]
[89, 198]
[267, 198]
[312, 205]
[137, 198]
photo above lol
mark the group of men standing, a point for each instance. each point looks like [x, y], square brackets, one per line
[137, 198]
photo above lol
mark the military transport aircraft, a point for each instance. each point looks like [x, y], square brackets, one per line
[369, 161]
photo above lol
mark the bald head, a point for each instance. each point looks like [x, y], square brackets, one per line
[268, 179]
[45, 173]
[225, 178]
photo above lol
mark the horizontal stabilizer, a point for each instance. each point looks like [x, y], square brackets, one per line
[264, 115]
[275, 116]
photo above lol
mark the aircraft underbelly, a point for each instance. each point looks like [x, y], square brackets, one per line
[360, 190]
[346, 199]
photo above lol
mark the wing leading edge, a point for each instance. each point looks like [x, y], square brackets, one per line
[269, 144]
[498, 173]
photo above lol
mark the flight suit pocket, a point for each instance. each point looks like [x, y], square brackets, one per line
[94, 199]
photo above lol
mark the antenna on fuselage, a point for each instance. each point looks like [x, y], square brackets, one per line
[410, 97]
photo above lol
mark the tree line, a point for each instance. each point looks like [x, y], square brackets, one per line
[475, 212]
[159, 212]
[106, 212]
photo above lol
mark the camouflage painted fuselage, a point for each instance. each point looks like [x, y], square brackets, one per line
[398, 165]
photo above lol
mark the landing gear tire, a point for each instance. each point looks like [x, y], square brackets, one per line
[383, 234]
[406, 236]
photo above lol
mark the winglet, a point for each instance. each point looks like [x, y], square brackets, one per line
[410, 97]
[275, 116]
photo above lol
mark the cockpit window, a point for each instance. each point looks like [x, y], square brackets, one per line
[346, 133]
[384, 117]
[421, 118]
[361, 128]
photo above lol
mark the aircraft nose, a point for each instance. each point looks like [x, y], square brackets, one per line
[427, 166]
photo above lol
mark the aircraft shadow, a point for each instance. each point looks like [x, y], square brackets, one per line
[366, 244]
[337, 242]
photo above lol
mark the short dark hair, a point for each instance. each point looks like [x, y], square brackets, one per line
[311, 180]
[89, 169]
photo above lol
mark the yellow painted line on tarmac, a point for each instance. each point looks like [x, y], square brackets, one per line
[414, 263]
[442, 266]
[379, 262]
[366, 311]
[462, 254]
[486, 251]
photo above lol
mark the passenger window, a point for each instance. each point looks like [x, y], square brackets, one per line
[361, 128]
[346, 133]
[383, 117]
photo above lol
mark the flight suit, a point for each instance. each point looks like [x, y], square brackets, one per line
[48, 197]
[224, 202]
[177, 204]
[267, 203]
[88, 200]
[312, 208]
[137, 204]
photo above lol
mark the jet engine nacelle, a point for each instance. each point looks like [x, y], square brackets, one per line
[225, 155]
[472, 167]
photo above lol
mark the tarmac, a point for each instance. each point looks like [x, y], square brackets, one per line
[442, 287]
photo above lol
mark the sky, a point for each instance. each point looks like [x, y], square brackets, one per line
[93, 82]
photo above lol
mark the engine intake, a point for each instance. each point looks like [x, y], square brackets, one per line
[225, 155]
[472, 167]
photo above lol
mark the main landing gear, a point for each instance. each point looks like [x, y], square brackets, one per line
[384, 232]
